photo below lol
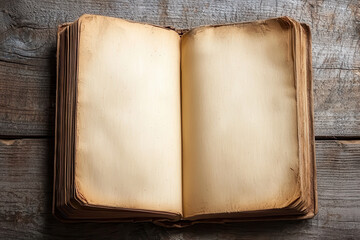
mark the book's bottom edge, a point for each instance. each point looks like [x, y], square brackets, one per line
[164, 222]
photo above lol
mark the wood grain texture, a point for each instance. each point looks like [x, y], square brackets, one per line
[26, 192]
[27, 100]
[27, 52]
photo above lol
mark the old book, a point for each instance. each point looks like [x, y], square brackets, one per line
[213, 124]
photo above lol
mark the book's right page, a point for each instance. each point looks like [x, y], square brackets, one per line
[239, 118]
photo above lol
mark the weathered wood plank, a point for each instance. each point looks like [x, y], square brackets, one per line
[27, 52]
[27, 99]
[26, 189]
[337, 102]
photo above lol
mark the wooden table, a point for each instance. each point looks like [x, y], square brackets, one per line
[27, 99]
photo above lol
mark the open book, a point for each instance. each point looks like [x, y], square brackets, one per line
[212, 124]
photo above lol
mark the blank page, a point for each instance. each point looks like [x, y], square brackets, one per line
[240, 145]
[128, 129]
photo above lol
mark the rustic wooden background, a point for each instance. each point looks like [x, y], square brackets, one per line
[27, 99]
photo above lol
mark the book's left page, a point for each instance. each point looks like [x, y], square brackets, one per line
[128, 118]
